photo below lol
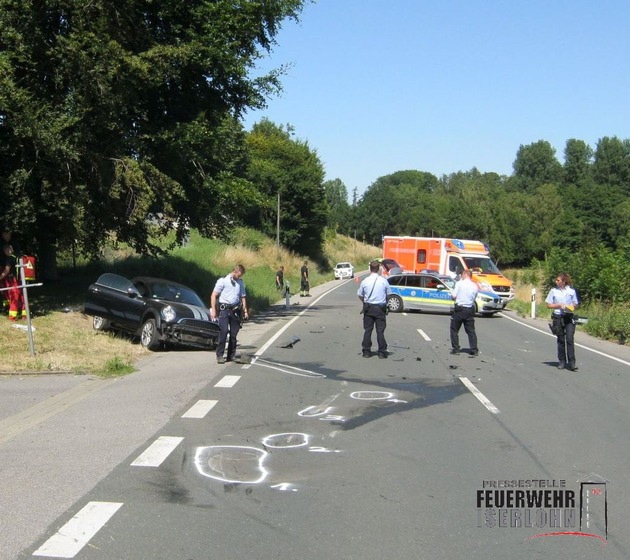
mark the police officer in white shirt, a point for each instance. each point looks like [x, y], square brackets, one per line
[563, 299]
[373, 293]
[227, 303]
[464, 294]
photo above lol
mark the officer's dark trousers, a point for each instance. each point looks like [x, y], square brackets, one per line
[565, 330]
[374, 316]
[229, 323]
[463, 316]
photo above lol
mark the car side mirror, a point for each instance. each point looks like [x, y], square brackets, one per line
[133, 292]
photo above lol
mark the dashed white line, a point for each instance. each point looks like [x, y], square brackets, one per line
[74, 535]
[157, 452]
[228, 381]
[479, 395]
[199, 409]
[424, 335]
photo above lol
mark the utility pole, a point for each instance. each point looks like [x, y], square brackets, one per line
[278, 222]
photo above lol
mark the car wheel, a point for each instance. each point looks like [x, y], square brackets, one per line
[149, 337]
[395, 304]
[99, 324]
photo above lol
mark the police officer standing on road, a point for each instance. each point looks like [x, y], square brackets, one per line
[373, 293]
[464, 294]
[227, 302]
[563, 300]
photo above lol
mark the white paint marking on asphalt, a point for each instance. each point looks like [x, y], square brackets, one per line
[157, 452]
[199, 409]
[479, 395]
[424, 335]
[228, 381]
[74, 535]
[275, 337]
[552, 335]
[288, 369]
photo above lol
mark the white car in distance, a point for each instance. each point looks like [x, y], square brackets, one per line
[344, 270]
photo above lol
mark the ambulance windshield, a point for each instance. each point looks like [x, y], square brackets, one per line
[483, 265]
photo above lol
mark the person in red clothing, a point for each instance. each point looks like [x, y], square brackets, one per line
[8, 279]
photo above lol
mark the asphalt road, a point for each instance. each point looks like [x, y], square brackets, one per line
[312, 451]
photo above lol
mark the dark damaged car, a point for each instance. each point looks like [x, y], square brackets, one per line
[160, 312]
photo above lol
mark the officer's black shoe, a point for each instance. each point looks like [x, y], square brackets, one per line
[561, 365]
[474, 353]
[221, 360]
[572, 367]
[367, 354]
[455, 351]
[382, 355]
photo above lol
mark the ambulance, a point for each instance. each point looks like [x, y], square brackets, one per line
[442, 255]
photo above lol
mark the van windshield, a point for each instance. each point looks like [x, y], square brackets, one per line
[481, 264]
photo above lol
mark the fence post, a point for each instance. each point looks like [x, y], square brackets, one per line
[533, 303]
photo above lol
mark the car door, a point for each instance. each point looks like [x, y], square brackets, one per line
[410, 291]
[435, 295]
[414, 294]
[110, 297]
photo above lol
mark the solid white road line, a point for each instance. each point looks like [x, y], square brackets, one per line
[228, 381]
[74, 535]
[157, 452]
[479, 395]
[424, 335]
[579, 345]
[199, 409]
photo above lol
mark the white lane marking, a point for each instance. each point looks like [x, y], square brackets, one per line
[199, 409]
[74, 535]
[424, 335]
[157, 452]
[228, 381]
[580, 345]
[275, 337]
[479, 395]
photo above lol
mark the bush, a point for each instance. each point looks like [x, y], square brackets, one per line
[609, 323]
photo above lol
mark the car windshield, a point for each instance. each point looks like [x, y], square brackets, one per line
[172, 292]
[343, 265]
[481, 264]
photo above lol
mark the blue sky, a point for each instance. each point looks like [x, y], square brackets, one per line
[378, 86]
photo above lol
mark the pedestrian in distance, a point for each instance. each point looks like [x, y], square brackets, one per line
[563, 299]
[280, 279]
[464, 295]
[228, 305]
[373, 292]
[305, 287]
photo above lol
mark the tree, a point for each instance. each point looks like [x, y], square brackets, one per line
[578, 162]
[536, 164]
[612, 163]
[339, 209]
[396, 204]
[111, 110]
[280, 165]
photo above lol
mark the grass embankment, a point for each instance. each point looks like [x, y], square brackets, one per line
[64, 340]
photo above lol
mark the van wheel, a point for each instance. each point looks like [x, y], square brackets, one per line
[149, 337]
[395, 304]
